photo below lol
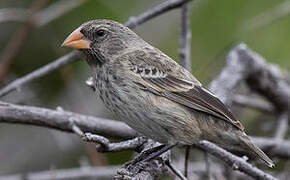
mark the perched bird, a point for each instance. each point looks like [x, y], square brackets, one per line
[153, 94]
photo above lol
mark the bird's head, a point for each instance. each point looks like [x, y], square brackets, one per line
[100, 40]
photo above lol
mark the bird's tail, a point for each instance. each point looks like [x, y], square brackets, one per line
[256, 152]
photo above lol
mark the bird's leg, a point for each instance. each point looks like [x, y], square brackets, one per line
[143, 155]
[158, 152]
[186, 159]
[175, 171]
[141, 160]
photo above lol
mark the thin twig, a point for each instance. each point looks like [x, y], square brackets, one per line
[175, 170]
[153, 12]
[58, 63]
[107, 146]
[273, 147]
[244, 65]
[235, 162]
[56, 10]
[208, 166]
[185, 37]
[254, 103]
[282, 126]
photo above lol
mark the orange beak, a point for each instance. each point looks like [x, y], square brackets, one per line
[76, 40]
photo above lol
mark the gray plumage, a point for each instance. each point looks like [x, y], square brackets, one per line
[154, 95]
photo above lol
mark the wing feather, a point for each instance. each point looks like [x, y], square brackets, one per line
[172, 81]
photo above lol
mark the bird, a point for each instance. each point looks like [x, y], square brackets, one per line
[153, 94]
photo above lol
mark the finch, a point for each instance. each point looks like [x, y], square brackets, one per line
[154, 95]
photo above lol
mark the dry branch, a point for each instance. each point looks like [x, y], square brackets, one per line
[263, 78]
[55, 11]
[185, 37]
[254, 103]
[155, 11]
[61, 120]
[233, 161]
[58, 63]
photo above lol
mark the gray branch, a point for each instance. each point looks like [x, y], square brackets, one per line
[153, 12]
[58, 63]
[185, 37]
[254, 103]
[62, 120]
[55, 11]
[235, 162]
[273, 147]
[243, 65]
[282, 126]
[106, 146]
[263, 78]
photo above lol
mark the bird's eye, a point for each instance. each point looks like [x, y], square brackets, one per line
[100, 32]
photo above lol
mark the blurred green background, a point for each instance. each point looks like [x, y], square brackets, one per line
[216, 25]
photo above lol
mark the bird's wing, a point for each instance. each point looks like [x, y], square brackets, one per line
[161, 75]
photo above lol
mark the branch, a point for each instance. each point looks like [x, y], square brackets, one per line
[234, 161]
[55, 11]
[133, 169]
[107, 172]
[107, 146]
[131, 23]
[58, 63]
[225, 85]
[263, 78]
[155, 11]
[254, 103]
[62, 120]
[282, 126]
[273, 147]
[185, 37]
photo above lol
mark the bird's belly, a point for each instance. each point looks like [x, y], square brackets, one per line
[155, 117]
